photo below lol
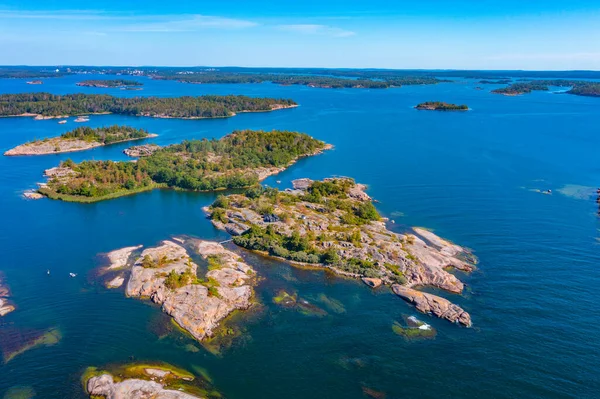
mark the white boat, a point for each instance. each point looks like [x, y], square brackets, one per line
[72, 274]
[62, 122]
[82, 119]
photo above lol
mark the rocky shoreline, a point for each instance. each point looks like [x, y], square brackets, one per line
[58, 145]
[349, 247]
[167, 275]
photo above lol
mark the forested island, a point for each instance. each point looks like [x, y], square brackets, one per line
[441, 106]
[577, 87]
[334, 224]
[240, 159]
[79, 139]
[327, 82]
[46, 105]
[117, 83]
[517, 89]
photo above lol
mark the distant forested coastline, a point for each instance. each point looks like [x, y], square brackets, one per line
[52, 105]
[328, 82]
[578, 87]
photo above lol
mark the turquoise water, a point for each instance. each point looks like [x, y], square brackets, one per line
[472, 177]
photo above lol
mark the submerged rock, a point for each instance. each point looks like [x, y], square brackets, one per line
[19, 392]
[15, 342]
[292, 301]
[414, 329]
[428, 303]
[168, 276]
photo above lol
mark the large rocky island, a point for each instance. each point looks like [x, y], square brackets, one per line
[240, 159]
[167, 275]
[333, 224]
[80, 139]
[46, 105]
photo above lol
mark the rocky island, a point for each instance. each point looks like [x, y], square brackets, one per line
[333, 224]
[240, 159]
[144, 381]
[441, 106]
[46, 105]
[116, 83]
[167, 275]
[80, 139]
[5, 306]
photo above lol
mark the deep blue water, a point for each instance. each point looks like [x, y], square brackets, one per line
[472, 177]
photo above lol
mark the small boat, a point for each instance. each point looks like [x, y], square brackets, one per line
[62, 122]
[82, 119]
[278, 182]
[48, 272]
[73, 274]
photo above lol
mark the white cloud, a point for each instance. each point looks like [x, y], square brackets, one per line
[314, 29]
[187, 23]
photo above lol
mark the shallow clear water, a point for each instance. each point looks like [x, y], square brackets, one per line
[472, 177]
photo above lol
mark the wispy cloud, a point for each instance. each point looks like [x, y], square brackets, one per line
[187, 23]
[314, 29]
[77, 15]
[132, 23]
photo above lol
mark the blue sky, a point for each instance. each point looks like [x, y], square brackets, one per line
[524, 34]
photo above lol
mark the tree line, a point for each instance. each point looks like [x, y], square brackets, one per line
[209, 106]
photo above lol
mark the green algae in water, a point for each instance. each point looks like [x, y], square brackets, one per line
[284, 299]
[19, 392]
[414, 329]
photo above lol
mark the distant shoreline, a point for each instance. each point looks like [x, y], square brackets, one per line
[40, 117]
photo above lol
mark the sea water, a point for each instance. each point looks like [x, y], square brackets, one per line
[475, 178]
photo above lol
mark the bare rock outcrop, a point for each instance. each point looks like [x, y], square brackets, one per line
[104, 385]
[5, 306]
[428, 303]
[119, 257]
[168, 276]
[141, 150]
